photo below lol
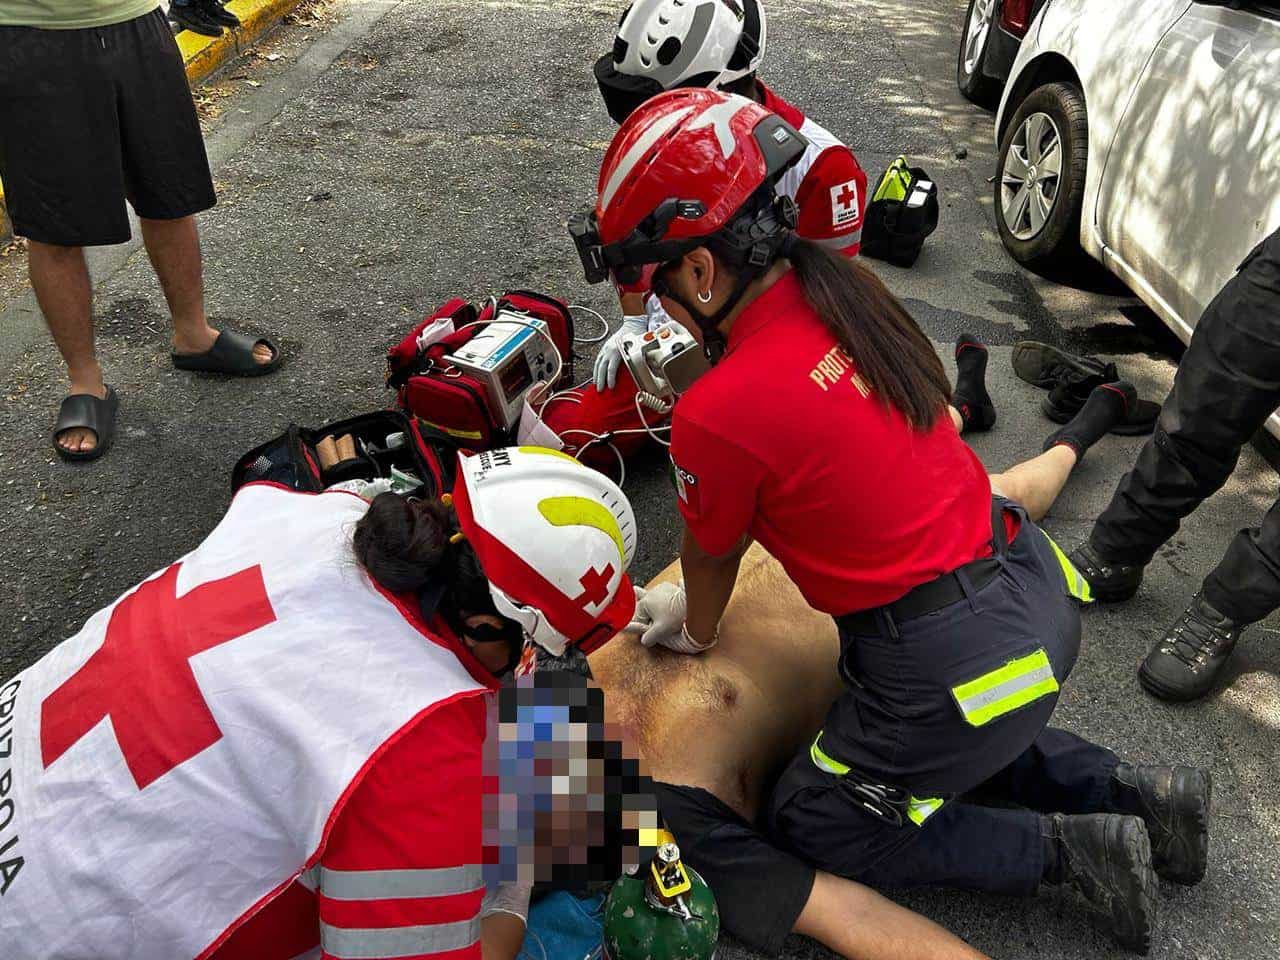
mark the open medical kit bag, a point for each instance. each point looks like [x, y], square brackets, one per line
[385, 449]
[465, 371]
[902, 212]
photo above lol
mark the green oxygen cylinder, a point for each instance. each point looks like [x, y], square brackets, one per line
[666, 912]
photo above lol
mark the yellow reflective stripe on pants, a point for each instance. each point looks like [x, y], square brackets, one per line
[1077, 585]
[824, 762]
[921, 810]
[1005, 689]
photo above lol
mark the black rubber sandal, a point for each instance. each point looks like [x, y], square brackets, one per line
[231, 354]
[84, 411]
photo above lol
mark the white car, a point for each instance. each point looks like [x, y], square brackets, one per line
[1148, 133]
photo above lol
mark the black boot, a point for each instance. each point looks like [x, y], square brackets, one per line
[1106, 858]
[1173, 801]
[1109, 581]
[1189, 658]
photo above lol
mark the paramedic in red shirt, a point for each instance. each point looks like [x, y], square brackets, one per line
[718, 48]
[823, 432]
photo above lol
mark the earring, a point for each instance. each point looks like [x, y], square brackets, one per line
[704, 297]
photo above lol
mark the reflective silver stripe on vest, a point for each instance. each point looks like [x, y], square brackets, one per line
[357, 944]
[398, 884]
[838, 243]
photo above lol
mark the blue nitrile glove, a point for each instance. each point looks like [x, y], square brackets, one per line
[610, 356]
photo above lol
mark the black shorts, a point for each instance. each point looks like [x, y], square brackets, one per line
[90, 118]
[760, 889]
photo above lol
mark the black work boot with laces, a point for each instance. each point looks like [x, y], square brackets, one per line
[1188, 660]
[1106, 858]
[1173, 801]
[1109, 581]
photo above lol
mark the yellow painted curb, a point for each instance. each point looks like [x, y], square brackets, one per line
[203, 55]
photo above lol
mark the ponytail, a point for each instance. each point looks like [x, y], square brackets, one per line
[887, 347]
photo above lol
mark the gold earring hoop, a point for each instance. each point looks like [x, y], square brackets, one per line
[704, 297]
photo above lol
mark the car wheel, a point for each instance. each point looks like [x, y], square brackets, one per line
[978, 24]
[1039, 185]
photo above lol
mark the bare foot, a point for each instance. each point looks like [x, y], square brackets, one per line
[80, 439]
[203, 342]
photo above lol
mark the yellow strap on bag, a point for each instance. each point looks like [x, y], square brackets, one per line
[896, 182]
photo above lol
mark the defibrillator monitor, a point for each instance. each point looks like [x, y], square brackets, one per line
[664, 362]
[508, 356]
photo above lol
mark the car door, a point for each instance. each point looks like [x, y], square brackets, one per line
[1192, 180]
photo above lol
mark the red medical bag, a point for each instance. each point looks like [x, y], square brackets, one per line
[449, 402]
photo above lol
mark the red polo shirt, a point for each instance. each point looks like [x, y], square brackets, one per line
[782, 440]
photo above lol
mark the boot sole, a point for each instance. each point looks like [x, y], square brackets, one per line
[1031, 357]
[1195, 811]
[1157, 688]
[1138, 846]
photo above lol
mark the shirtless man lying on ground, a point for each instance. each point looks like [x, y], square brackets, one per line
[717, 729]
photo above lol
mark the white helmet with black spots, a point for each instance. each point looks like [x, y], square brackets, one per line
[664, 44]
[554, 539]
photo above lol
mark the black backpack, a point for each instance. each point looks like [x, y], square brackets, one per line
[902, 212]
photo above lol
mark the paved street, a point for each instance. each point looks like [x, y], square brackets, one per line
[454, 139]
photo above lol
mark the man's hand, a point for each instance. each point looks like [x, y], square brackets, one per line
[659, 618]
[610, 356]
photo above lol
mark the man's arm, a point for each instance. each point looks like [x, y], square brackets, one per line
[501, 936]
[708, 582]
[860, 924]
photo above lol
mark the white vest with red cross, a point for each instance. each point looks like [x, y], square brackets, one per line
[178, 762]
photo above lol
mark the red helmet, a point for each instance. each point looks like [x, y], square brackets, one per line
[689, 165]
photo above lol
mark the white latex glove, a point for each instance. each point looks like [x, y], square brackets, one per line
[610, 356]
[659, 618]
[512, 898]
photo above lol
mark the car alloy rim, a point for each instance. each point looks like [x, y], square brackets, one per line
[975, 35]
[1031, 176]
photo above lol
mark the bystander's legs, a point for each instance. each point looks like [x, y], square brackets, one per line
[60, 279]
[174, 249]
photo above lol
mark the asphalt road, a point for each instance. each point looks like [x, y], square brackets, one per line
[454, 139]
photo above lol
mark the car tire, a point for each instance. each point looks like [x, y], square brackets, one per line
[1039, 184]
[975, 40]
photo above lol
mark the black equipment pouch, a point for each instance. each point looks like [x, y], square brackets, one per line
[291, 460]
[902, 212]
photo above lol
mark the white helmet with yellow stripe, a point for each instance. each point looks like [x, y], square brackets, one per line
[554, 538]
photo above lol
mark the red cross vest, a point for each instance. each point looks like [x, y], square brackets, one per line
[179, 761]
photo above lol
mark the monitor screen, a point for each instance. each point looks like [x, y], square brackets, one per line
[515, 376]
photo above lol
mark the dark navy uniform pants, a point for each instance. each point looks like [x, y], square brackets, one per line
[900, 723]
[1227, 384]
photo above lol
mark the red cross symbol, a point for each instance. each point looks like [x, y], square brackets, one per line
[595, 587]
[141, 676]
[847, 195]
